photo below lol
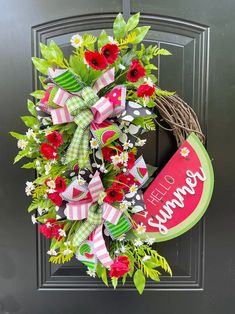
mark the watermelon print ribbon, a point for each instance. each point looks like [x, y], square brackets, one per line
[95, 214]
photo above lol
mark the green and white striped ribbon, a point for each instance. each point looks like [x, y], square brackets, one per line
[94, 219]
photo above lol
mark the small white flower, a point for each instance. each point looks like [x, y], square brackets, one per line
[117, 252]
[111, 40]
[122, 237]
[62, 233]
[37, 140]
[146, 258]
[140, 142]
[51, 184]
[47, 168]
[34, 220]
[103, 169]
[30, 133]
[37, 163]
[150, 241]
[122, 249]
[52, 252]
[67, 243]
[121, 66]
[29, 188]
[22, 144]
[184, 152]
[67, 252]
[149, 81]
[124, 206]
[91, 273]
[138, 242]
[116, 159]
[133, 189]
[40, 211]
[94, 143]
[127, 145]
[58, 217]
[80, 180]
[141, 228]
[124, 157]
[76, 41]
[54, 161]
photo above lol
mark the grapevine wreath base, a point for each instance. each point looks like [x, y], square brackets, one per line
[83, 138]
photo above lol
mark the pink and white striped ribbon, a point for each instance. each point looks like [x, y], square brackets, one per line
[102, 109]
[61, 115]
[105, 79]
[61, 97]
[95, 187]
[111, 213]
[100, 248]
[77, 210]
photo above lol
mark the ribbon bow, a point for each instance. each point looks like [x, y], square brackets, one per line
[95, 215]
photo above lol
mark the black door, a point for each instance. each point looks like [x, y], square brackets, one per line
[200, 35]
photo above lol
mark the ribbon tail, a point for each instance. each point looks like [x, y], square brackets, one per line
[100, 248]
[83, 233]
[72, 152]
[83, 151]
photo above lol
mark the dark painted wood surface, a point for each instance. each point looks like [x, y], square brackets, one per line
[200, 36]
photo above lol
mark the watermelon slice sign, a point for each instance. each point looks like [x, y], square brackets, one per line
[180, 194]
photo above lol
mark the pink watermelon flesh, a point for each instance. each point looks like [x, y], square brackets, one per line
[76, 192]
[89, 255]
[107, 135]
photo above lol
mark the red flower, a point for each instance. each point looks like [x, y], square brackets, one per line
[113, 194]
[48, 151]
[55, 138]
[109, 152]
[46, 229]
[110, 52]
[125, 180]
[131, 160]
[119, 267]
[145, 90]
[55, 198]
[60, 184]
[56, 231]
[136, 71]
[96, 60]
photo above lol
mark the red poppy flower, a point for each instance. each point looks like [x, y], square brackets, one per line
[96, 60]
[136, 71]
[124, 181]
[109, 152]
[110, 52]
[145, 90]
[47, 230]
[56, 231]
[60, 184]
[48, 151]
[131, 160]
[55, 198]
[119, 267]
[55, 138]
[113, 194]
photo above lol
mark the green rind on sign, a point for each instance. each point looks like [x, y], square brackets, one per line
[199, 211]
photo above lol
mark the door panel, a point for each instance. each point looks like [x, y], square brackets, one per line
[202, 259]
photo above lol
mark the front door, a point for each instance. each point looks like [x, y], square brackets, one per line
[199, 35]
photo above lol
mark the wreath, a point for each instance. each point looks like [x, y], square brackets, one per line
[85, 130]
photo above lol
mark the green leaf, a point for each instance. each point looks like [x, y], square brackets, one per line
[140, 34]
[119, 26]
[20, 155]
[39, 94]
[29, 165]
[151, 67]
[17, 135]
[57, 52]
[114, 281]
[132, 22]
[103, 39]
[88, 41]
[139, 281]
[102, 273]
[151, 263]
[151, 170]
[52, 52]
[41, 65]
[31, 108]
[163, 52]
[154, 275]
[160, 92]
[29, 121]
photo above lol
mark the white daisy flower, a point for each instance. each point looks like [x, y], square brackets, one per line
[133, 190]
[94, 143]
[51, 184]
[80, 180]
[91, 273]
[124, 206]
[127, 145]
[111, 40]
[67, 252]
[30, 133]
[122, 249]
[122, 237]
[116, 159]
[22, 144]
[33, 219]
[141, 228]
[76, 41]
[124, 157]
[140, 142]
[121, 66]
[47, 168]
[146, 258]
[138, 242]
[29, 188]
[52, 252]
[62, 233]
[184, 152]
[150, 241]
